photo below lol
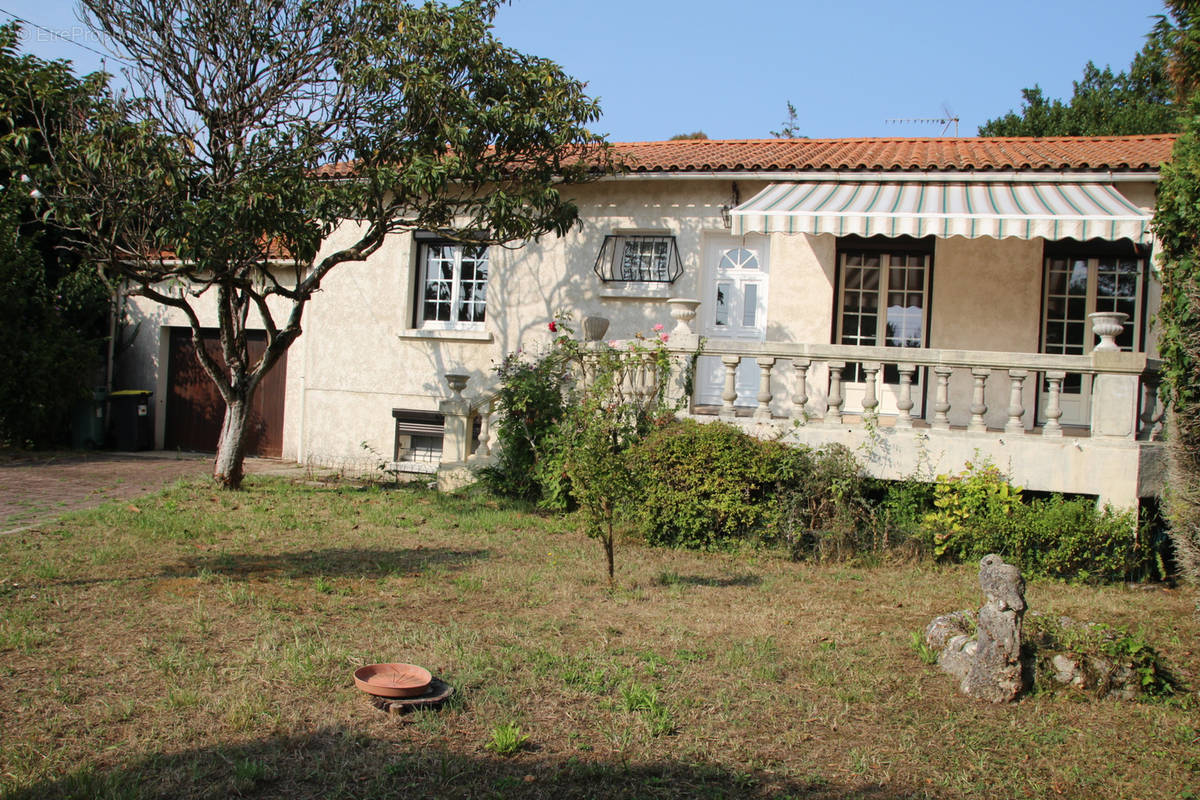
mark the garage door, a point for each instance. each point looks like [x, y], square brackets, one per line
[195, 409]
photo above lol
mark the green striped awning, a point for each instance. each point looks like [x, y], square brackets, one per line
[970, 208]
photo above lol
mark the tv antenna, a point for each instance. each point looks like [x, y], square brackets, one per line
[947, 119]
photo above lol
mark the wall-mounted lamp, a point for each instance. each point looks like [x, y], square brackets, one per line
[726, 218]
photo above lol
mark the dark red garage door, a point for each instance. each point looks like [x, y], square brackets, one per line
[195, 409]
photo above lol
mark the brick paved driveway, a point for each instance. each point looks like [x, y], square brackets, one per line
[37, 489]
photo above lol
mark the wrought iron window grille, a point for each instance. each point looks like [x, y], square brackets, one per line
[638, 258]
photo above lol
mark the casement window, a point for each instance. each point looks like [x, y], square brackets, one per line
[638, 258]
[451, 284]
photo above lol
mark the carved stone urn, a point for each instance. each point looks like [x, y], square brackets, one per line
[594, 328]
[1108, 326]
[683, 311]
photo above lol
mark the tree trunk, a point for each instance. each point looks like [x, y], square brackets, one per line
[231, 447]
[608, 551]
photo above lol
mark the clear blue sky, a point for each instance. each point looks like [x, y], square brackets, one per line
[662, 67]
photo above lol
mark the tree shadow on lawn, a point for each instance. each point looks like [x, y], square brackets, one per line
[353, 562]
[341, 762]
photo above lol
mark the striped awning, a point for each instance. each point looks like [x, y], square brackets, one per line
[972, 209]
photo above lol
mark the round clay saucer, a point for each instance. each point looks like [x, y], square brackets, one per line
[392, 680]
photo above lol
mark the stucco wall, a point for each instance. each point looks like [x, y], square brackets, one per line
[359, 357]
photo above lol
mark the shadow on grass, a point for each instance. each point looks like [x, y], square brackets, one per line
[331, 562]
[671, 579]
[341, 762]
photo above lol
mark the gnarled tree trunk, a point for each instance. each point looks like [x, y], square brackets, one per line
[231, 447]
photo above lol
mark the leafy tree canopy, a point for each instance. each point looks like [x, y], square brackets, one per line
[205, 186]
[53, 308]
[1104, 103]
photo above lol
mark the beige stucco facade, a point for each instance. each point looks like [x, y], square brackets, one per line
[361, 356]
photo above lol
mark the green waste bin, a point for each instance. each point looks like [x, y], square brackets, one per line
[87, 421]
[132, 420]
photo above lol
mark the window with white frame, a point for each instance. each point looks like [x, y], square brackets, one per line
[451, 284]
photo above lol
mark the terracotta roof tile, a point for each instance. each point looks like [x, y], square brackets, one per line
[966, 153]
[1065, 153]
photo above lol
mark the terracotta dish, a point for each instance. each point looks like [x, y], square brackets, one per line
[392, 680]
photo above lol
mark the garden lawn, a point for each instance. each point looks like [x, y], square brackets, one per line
[201, 644]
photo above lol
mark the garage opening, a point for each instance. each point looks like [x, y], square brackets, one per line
[195, 409]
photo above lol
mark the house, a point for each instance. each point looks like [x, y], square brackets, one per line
[924, 301]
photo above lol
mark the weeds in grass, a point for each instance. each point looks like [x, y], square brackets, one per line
[507, 739]
[924, 652]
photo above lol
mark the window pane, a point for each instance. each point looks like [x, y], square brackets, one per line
[721, 313]
[750, 312]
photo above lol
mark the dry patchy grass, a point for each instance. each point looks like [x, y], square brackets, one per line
[201, 644]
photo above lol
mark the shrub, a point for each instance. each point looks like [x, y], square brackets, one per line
[1072, 539]
[531, 403]
[701, 485]
[820, 505]
[978, 512]
[973, 513]
[706, 486]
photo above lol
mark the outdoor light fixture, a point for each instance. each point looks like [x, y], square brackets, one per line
[726, 218]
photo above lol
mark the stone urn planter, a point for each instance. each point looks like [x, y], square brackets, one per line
[594, 328]
[683, 311]
[1108, 326]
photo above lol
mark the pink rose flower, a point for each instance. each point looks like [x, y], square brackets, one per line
[663, 336]
[659, 326]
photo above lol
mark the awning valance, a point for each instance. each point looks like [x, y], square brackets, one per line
[967, 208]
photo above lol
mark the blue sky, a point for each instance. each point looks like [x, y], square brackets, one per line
[662, 67]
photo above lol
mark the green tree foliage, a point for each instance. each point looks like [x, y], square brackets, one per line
[1104, 103]
[53, 309]
[204, 187]
[1177, 226]
[790, 128]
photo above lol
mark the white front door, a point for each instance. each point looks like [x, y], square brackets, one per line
[734, 307]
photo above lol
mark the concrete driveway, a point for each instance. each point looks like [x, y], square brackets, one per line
[40, 487]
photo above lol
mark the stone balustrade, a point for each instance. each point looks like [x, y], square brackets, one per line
[962, 394]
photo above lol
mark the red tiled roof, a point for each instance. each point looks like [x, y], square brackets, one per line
[967, 153]
[773, 155]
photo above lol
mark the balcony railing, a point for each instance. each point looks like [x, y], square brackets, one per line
[1124, 402]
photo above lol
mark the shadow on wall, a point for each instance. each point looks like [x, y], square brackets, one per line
[338, 761]
[521, 301]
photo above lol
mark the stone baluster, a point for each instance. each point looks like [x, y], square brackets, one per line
[870, 399]
[833, 410]
[904, 403]
[765, 364]
[456, 437]
[800, 398]
[1054, 412]
[484, 448]
[941, 402]
[730, 394]
[1152, 409]
[1016, 408]
[979, 399]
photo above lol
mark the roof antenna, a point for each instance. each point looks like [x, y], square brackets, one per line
[947, 119]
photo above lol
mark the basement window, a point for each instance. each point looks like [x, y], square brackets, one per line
[419, 434]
